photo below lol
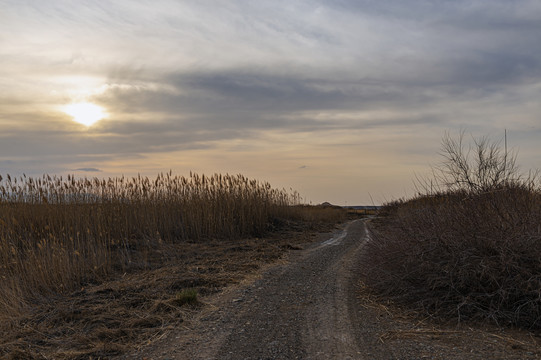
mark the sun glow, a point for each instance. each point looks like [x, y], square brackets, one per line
[85, 113]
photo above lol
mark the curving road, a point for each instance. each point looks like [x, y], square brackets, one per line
[305, 308]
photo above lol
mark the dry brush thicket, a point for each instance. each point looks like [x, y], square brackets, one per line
[469, 246]
[57, 233]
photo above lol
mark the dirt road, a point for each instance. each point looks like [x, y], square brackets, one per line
[308, 307]
[303, 308]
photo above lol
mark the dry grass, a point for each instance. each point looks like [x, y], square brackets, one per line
[401, 327]
[57, 234]
[92, 267]
[472, 251]
[136, 308]
[463, 255]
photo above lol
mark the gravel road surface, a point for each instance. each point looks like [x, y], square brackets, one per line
[304, 307]
[308, 306]
[306, 310]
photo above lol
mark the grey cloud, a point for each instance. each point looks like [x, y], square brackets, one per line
[263, 92]
[229, 89]
[430, 61]
[88, 169]
[484, 41]
[29, 143]
[499, 69]
[230, 93]
[493, 13]
[227, 104]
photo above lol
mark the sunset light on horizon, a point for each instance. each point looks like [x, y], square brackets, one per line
[343, 101]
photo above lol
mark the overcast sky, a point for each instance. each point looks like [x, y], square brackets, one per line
[343, 100]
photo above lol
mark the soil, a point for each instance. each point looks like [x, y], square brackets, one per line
[294, 295]
[311, 305]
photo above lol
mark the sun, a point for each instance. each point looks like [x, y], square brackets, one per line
[85, 113]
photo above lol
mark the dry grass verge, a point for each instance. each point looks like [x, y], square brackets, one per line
[139, 306]
[90, 266]
[57, 234]
[404, 331]
[471, 252]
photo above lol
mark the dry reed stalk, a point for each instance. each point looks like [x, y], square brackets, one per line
[57, 233]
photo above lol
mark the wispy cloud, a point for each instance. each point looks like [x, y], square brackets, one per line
[324, 83]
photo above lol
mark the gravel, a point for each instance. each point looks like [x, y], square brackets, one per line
[311, 305]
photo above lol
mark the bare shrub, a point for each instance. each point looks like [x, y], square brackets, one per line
[476, 167]
[469, 251]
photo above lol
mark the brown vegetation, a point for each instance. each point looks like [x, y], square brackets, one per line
[89, 266]
[469, 250]
[132, 309]
[59, 233]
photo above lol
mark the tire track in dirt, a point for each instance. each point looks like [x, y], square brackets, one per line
[307, 309]
[303, 308]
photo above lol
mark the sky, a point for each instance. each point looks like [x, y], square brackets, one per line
[344, 101]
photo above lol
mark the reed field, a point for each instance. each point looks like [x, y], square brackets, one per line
[59, 233]
[92, 268]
